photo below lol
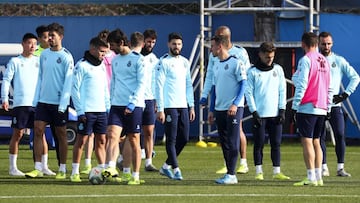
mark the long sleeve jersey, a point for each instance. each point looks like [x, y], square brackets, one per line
[89, 90]
[173, 87]
[338, 68]
[239, 52]
[24, 73]
[150, 62]
[55, 78]
[266, 91]
[227, 76]
[128, 80]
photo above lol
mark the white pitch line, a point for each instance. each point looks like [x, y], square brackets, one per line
[179, 195]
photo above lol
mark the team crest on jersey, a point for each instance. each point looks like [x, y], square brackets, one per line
[37, 65]
[274, 74]
[226, 67]
[58, 60]
[168, 118]
[22, 65]
[333, 65]
[14, 120]
[129, 64]
[137, 127]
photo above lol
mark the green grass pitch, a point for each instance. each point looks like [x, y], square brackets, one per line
[198, 166]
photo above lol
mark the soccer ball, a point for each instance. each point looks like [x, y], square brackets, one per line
[96, 177]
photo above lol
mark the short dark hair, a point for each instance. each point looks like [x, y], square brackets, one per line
[267, 47]
[174, 35]
[118, 36]
[310, 39]
[220, 39]
[136, 38]
[103, 34]
[28, 36]
[41, 29]
[150, 33]
[56, 27]
[325, 34]
[98, 42]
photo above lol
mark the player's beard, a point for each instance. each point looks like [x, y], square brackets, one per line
[175, 52]
[146, 50]
[325, 52]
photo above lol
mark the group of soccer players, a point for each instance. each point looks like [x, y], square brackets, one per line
[317, 99]
[120, 87]
[114, 109]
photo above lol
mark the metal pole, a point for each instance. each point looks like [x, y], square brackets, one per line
[352, 111]
[193, 51]
[311, 15]
[318, 16]
[201, 63]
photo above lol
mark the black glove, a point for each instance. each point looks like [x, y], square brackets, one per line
[257, 121]
[280, 119]
[340, 97]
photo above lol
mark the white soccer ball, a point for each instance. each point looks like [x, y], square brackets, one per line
[96, 177]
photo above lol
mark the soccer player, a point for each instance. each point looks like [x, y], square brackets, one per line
[149, 115]
[229, 80]
[127, 103]
[175, 103]
[89, 145]
[311, 103]
[266, 97]
[52, 98]
[136, 44]
[23, 71]
[91, 99]
[108, 56]
[243, 56]
[42, 32]
[339, 68]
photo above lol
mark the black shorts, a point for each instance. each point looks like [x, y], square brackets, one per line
[23, 117]
[148, 117]
[49, 113]
[96, 122]
[131, 123]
